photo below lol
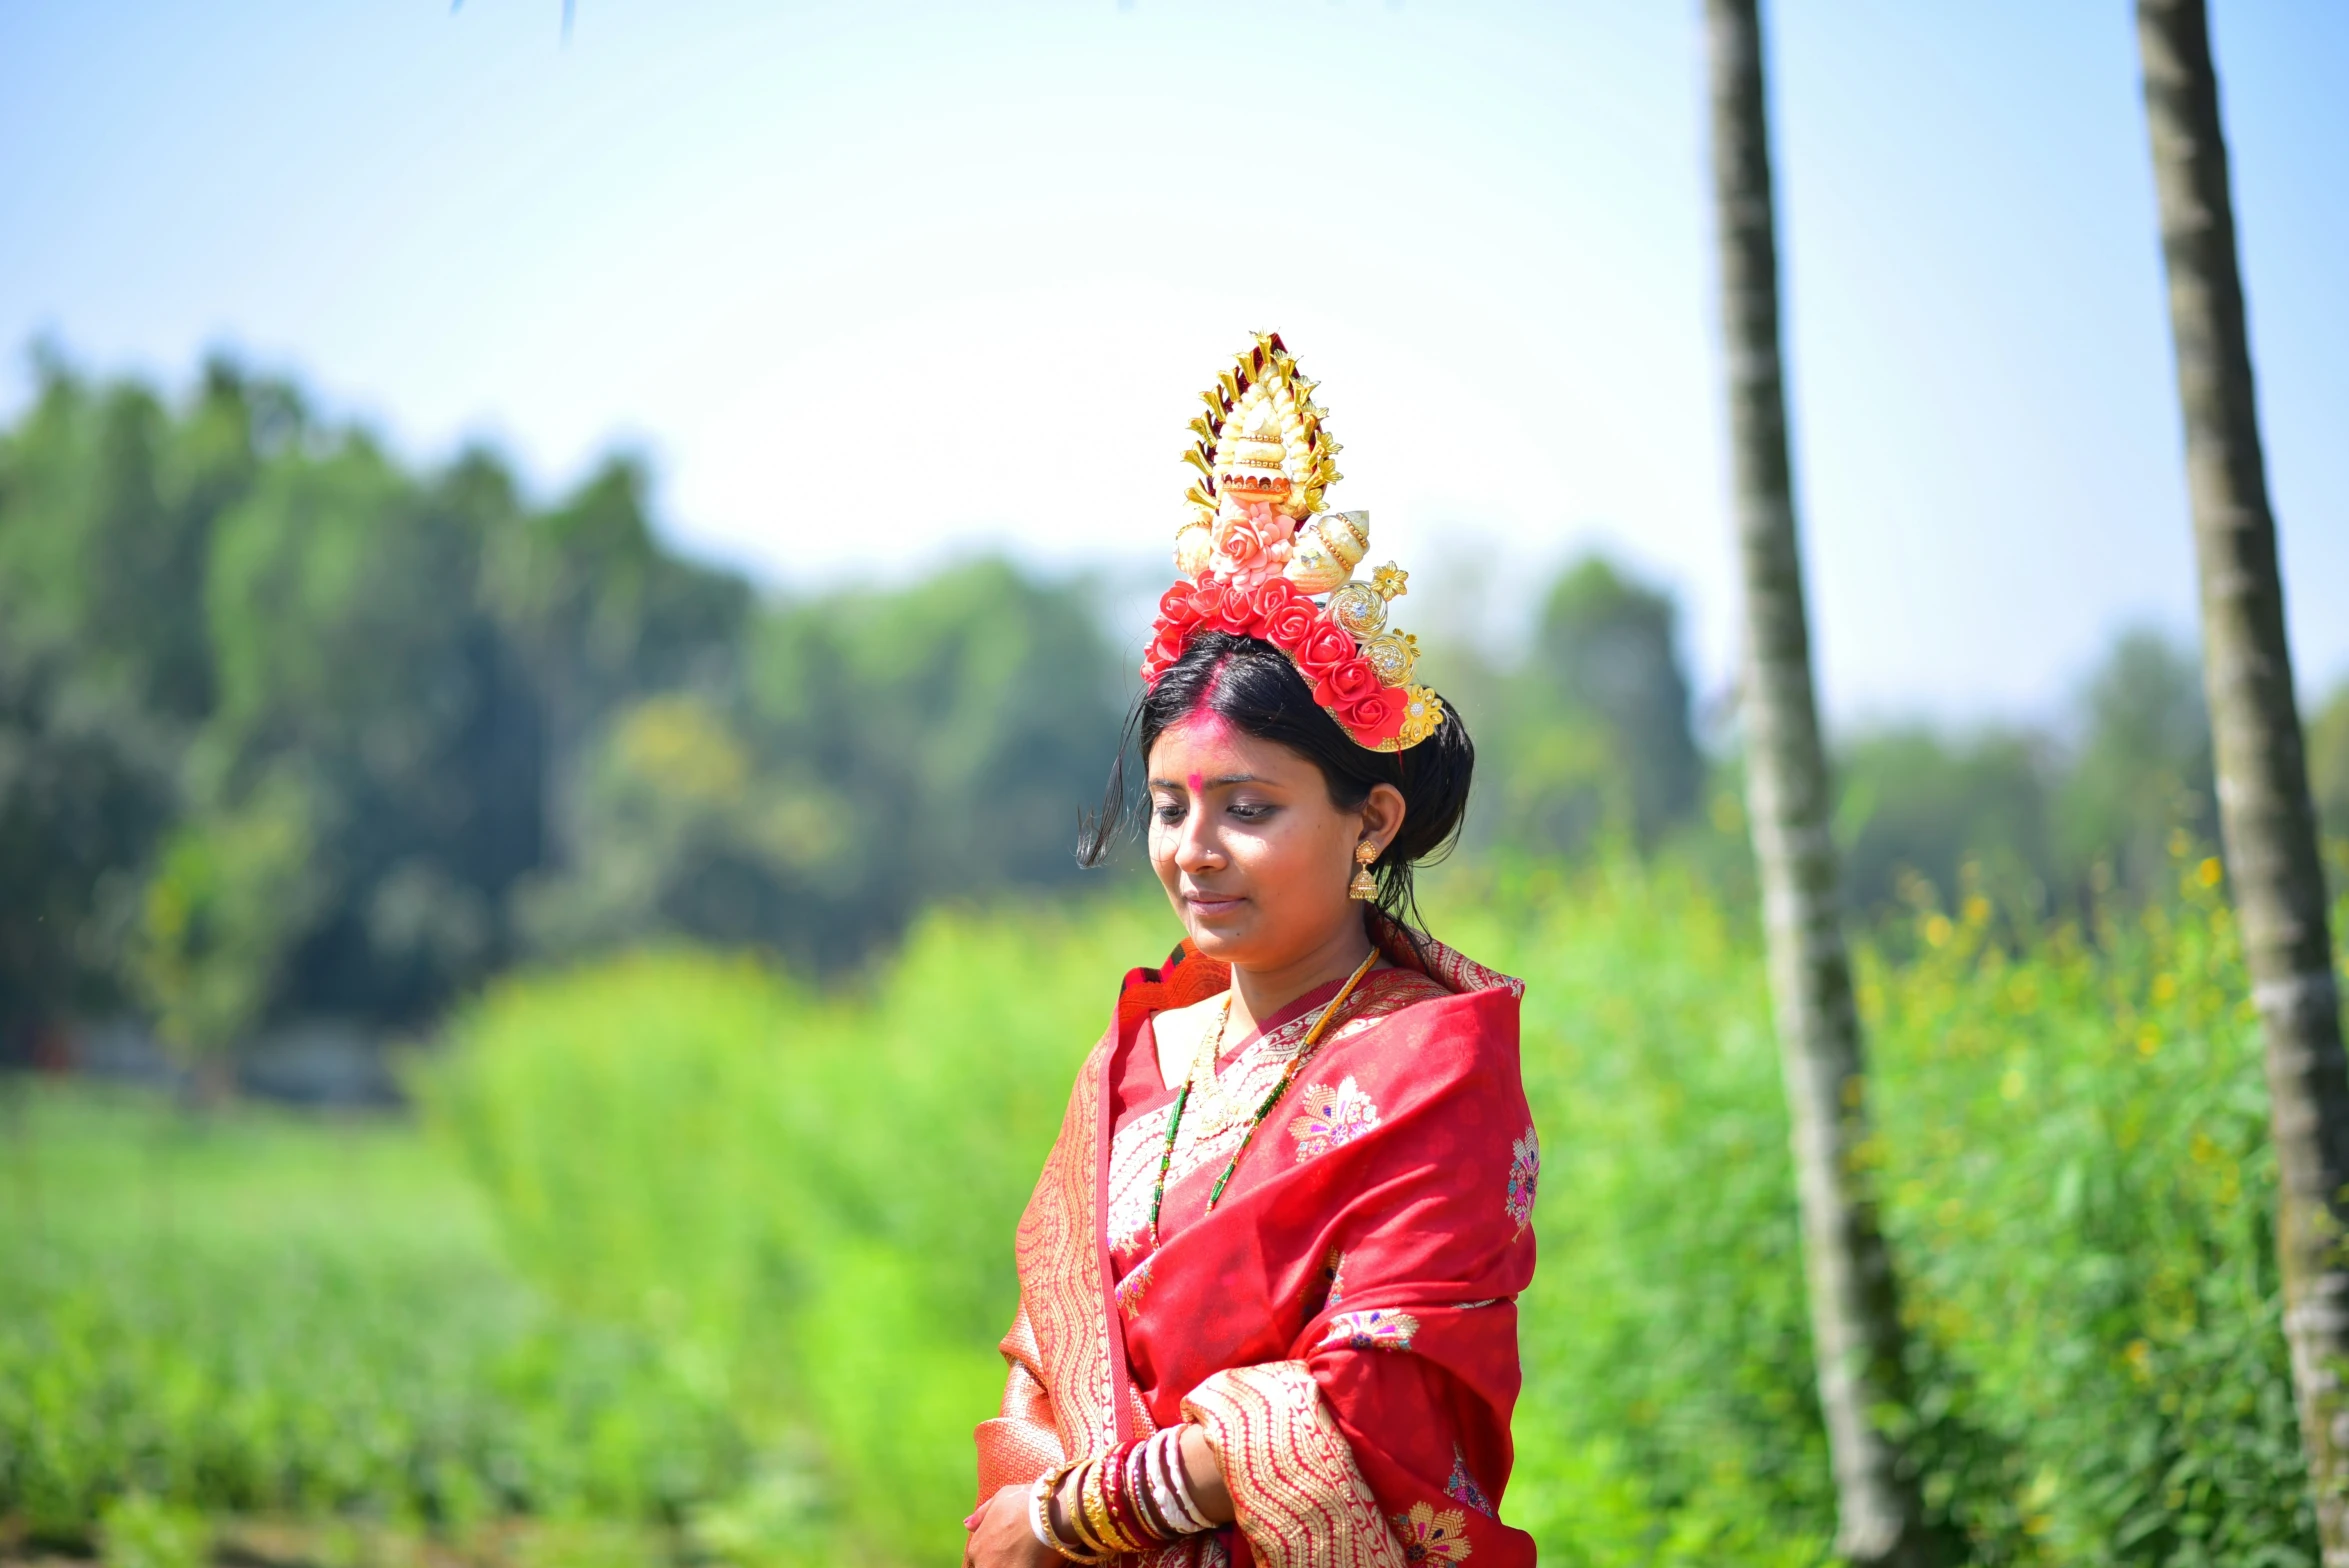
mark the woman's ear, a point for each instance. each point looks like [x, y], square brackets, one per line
[1382, 815]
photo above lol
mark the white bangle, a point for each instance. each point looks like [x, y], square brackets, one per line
[1036, 1526]
[1173, 1484]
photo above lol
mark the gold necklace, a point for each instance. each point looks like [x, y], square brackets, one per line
[1215, 1106]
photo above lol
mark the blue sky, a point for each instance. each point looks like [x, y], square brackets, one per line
[877, 284]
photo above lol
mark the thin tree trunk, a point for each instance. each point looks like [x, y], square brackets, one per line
[2265, 812]
[1855, 1311]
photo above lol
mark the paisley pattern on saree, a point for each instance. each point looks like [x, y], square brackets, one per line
[1243, 1081]
[1331, 1117]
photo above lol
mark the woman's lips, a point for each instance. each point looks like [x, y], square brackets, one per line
[1213, 903]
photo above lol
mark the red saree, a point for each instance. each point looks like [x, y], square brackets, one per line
[1344, 1324]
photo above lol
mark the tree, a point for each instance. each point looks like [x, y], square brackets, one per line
[359, 676]
[232, 893]
[107, 508]
[80, 804]
[1612, 644]
[1916, 802]
[1854, 1300]
[958, 724]
[2267, 819]
[2143, 768]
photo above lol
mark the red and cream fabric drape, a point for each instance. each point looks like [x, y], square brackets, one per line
[1344, 1324]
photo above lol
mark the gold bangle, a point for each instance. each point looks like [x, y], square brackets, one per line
[1095, 1492]
[1080, 1522]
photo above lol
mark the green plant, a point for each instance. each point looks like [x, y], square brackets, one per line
[137, 1531]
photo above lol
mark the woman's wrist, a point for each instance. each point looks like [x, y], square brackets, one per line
[1204, 1472]
[1136, 1495]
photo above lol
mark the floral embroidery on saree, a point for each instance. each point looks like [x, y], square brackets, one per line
[1132, 1289]
[1331, 1117]
[1334, 1270]
[1375, 1329]
[1429, 1536]
[1525, 1170]
[1462, 1487]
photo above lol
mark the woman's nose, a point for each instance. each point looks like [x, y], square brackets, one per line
[1197, 849]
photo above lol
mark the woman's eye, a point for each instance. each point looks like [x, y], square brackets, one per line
[1169, 811]
[1251, 810]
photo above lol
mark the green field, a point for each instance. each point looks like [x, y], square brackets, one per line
[681, 1261]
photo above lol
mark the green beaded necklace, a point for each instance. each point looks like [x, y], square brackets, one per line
[1174, 1123]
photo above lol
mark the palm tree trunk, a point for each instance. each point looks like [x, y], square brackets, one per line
[1855, 1311]
[2265, 812]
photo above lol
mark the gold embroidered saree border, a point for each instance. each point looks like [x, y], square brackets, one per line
[1301, 1499]
[1062, 1289]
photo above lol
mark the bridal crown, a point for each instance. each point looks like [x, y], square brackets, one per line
[1258, 557]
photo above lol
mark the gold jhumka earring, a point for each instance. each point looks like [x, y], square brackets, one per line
[1364, 885]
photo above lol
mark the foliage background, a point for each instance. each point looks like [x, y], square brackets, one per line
[692, 1248]
[735, 961]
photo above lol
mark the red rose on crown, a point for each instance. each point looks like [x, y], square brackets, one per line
[1165, 650]
[1207, 604]
[1377, 717]
[1269, 600]
[1288, 625]
[1351, 681]
[1326, 646]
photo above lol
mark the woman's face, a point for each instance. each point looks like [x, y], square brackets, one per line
[1253, 854]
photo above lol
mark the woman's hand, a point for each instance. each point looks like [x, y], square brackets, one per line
[1000, 1537]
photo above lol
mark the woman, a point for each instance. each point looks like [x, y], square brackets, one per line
[1268, 1277]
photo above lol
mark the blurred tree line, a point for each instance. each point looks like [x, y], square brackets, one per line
[290, 729]
[1595, 736]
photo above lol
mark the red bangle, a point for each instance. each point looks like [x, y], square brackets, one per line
[1118, 1494]
[1138, 1483]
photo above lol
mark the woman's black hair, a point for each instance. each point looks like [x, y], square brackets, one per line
[1251, 685]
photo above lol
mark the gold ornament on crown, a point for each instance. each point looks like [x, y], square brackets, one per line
[1263, 461]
